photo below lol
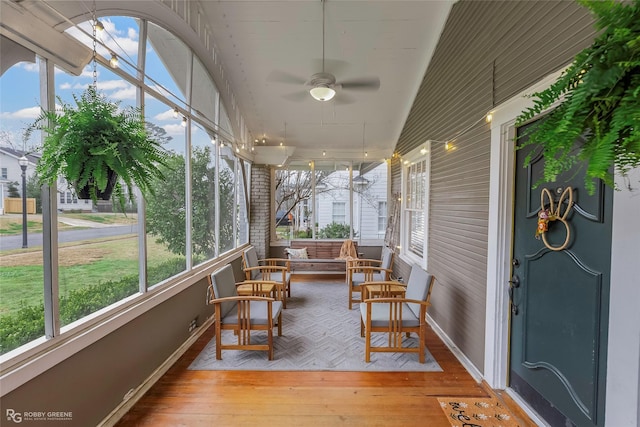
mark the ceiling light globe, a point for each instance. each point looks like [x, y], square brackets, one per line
[322, 93]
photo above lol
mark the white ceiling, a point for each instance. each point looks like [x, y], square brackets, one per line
[263, 42]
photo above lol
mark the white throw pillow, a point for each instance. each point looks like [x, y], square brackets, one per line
[297, 253]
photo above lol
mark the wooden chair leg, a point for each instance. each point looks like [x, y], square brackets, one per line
[280, 324]
[218, 342]
[422, 344]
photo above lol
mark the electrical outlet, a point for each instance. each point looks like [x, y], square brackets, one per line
[193, 324]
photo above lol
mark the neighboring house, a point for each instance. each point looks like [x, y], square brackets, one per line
[10, 170]
[369, 211]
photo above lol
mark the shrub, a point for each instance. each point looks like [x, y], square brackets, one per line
[335, 230]
[27, 323]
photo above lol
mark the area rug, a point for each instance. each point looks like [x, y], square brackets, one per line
[319, 333]
[476, 412]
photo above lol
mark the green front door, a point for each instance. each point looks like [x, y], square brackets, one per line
[560, 296]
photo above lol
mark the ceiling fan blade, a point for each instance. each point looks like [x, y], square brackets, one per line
[299, 96]
[364, 83]
[278, 76]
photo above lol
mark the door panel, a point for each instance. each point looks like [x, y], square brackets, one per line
[560, 302]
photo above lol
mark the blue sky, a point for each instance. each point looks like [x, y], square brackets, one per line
[19, 86]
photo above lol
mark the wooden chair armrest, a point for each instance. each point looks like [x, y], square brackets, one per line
[369, 267]
[276, 261]
[397, 300]
[385, 282]
[365, 261]
[271, 268]
[258, 282]
[240, 298]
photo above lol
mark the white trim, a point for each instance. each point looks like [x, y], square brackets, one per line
[464, 361]
[416, 155]
[623, 359]
[501, 187]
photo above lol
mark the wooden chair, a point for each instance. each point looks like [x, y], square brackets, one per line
[242, 314]
[274, 269]
[362, 270]
[398, 315]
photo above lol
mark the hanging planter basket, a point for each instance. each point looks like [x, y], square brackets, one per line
[87, 191]
[598, 100]
[98, 148]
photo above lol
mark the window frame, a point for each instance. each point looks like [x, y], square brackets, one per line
[343, 214]
[420, 154]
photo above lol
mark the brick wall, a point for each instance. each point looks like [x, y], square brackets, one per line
[260, 222]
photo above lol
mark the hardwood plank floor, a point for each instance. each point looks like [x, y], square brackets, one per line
[184, 397]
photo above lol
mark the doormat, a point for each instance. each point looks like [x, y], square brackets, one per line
[477, 412]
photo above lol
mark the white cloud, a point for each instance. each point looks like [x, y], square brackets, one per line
[176, 129]
[115, 40]
[30, 66]
[25, 113]
[65, 86]
[165, 116]
[113, 84]
[126, 93]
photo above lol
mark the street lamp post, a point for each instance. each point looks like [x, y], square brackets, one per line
[23, 162]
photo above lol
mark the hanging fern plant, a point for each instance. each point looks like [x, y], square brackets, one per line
[599, 99]
[98, 148]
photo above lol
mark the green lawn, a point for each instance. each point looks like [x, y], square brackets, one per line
[21, 275]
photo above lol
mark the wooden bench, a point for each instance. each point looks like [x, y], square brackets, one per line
[322, 255]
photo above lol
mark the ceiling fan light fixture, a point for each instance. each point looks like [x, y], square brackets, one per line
[322, 92]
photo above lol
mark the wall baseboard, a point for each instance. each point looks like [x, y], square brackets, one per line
[136, 394]
[468, 365]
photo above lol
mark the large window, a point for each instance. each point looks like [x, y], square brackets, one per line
[415, 196]
[331, 200]
[104, 257]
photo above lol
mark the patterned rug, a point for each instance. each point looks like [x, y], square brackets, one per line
[319, 333]
[475, 412]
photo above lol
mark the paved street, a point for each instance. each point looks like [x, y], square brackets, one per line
[35, 239]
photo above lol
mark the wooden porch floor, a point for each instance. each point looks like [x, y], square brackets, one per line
[184, 397]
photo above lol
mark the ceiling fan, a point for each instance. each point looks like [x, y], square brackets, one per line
[323, 85]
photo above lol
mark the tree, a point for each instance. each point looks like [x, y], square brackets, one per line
[12, 190]
[166, 214]
[34, 191]
[293, 187]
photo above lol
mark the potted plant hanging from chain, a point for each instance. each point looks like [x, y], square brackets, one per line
[98, 147]
[599, 99]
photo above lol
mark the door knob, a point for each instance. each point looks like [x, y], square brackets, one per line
[515, 281]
